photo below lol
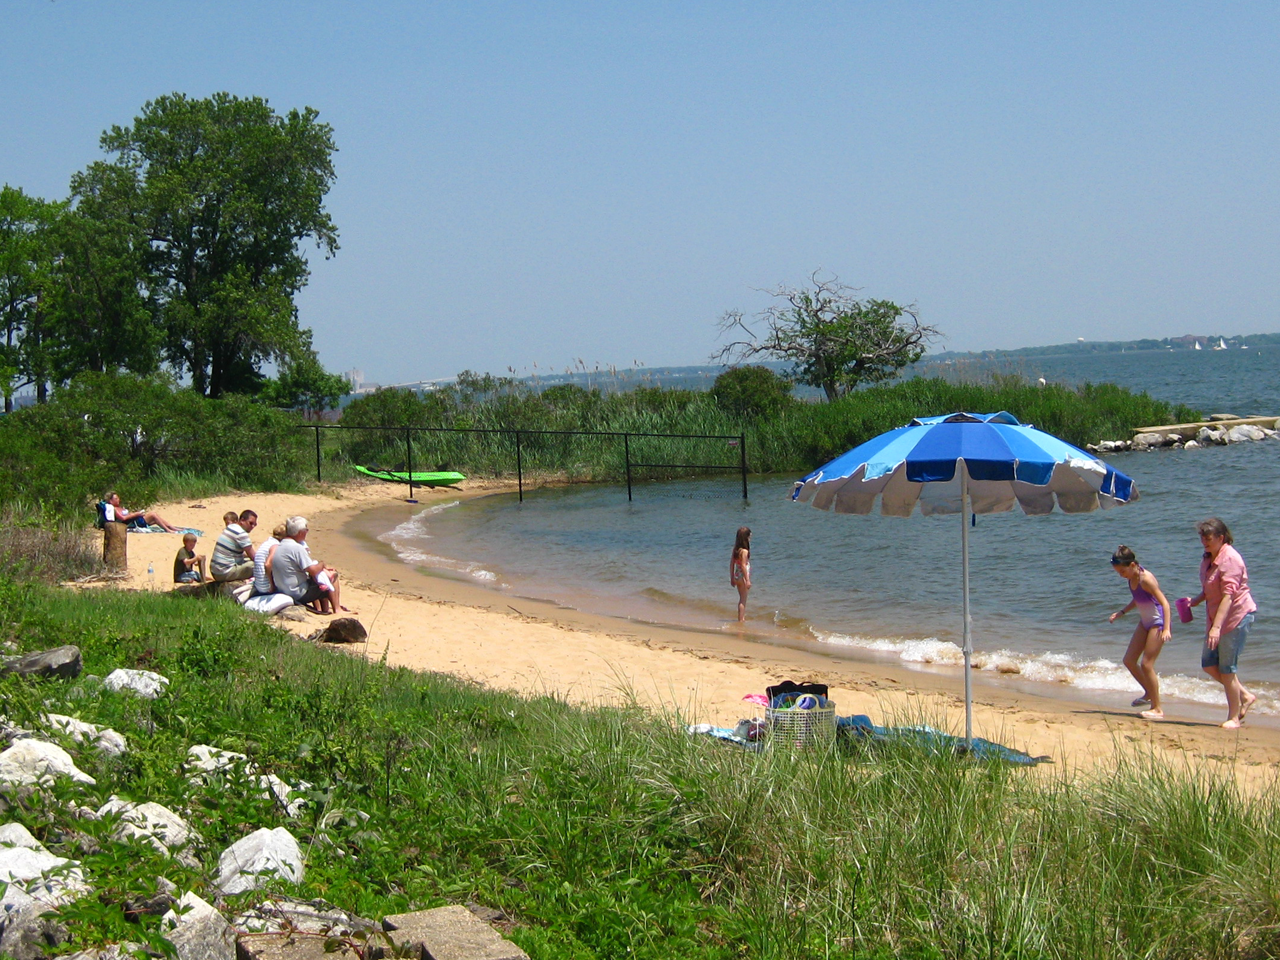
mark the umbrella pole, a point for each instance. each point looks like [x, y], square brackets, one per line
[964, 566]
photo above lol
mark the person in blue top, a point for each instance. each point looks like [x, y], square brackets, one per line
[1152, 631]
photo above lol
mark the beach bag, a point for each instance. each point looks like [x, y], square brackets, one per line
[100, 522]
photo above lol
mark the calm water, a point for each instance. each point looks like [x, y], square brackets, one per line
[1041, 587]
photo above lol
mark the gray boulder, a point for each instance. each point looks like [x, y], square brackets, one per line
[62, 662]
[1191, 445]
[34, 761]
[1213, 417]
[144, 683]
[24, 932]
[1146, 441]
[1211, 435]
[198, 931]
[264, 856]
[1245, 432]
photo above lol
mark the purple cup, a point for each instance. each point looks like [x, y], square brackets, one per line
[1184, 609]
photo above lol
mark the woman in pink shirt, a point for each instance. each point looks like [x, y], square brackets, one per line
[1224, 583]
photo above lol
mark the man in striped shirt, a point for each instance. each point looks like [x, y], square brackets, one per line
[233, 553]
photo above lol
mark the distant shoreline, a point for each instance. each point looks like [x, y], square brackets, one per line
[1210, 342]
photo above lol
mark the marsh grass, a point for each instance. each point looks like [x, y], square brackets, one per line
[610, 833]
[797, 438]
[37, 546]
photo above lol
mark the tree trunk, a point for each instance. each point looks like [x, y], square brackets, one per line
[115, 546]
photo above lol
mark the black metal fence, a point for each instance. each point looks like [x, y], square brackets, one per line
[739, 441]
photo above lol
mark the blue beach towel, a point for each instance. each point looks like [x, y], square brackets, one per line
[935, 741]
[860, 726]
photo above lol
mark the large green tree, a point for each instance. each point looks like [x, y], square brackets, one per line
[226, 191]
[25, 259]
[833, 339]
[99, 314]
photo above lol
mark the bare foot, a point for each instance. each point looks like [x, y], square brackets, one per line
[1152, 714]
[1232, 725]
[1246, 703]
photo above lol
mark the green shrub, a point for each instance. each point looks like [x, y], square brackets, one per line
[129, 433]
[752, 392]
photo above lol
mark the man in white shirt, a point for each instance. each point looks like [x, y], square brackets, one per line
[295, 573]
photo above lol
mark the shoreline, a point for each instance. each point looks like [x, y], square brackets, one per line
[425, 621]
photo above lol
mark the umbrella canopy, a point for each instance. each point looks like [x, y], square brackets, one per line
[1006, 462]
[980, 462]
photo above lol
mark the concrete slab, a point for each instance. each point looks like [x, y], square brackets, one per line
[450, 933]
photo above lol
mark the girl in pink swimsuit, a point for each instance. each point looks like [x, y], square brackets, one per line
[740, 569]
[1151, 633]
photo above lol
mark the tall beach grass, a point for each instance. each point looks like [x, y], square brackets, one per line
[609, 832]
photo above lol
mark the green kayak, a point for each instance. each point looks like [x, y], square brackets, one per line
[438, 478]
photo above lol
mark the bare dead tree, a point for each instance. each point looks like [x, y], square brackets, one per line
[833, 339]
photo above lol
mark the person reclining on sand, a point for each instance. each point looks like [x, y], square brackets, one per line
[139, 519]
[295, 573]
[189, 566]
[263, 585]
[233, 553]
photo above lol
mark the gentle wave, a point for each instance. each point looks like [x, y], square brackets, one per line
[1061, 668]
[406, 539]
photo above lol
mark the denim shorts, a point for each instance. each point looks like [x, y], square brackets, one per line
[1229, 646]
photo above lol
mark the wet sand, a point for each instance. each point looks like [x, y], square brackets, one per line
[426, 621]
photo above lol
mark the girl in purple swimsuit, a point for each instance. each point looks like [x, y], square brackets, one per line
[1151, 633]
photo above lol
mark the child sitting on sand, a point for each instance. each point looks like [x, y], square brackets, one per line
[1151, 633]
[189, 566]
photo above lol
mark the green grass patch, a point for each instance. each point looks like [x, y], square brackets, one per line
[610, 833]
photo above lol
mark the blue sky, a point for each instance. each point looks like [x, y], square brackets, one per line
[536, 183]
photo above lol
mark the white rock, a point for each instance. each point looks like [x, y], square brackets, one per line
[34, 761]
[1191, 445]
[104, 738]
[261, 857]
[1208, 435]
[40, 875]
[273, 787]
[198, 931]
[148, 822]
[1245, 432]
[1149, 440]
[203, 758]
[16, 835]
[142, 682]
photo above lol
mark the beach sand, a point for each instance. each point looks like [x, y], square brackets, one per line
[427, 622]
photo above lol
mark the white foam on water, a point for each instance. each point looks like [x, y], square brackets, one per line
[406, 539]
[1098, 674]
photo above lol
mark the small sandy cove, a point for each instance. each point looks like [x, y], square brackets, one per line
[431, 623]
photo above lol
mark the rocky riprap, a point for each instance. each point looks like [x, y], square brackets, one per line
[39, 882]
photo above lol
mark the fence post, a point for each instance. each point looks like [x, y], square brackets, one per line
[408, 444]
[742, 455]
[317, 453]
[626, 447]
[519, 468]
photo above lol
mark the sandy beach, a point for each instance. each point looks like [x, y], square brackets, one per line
[426, 622]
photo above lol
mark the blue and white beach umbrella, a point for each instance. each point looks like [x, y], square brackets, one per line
[979, 462]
